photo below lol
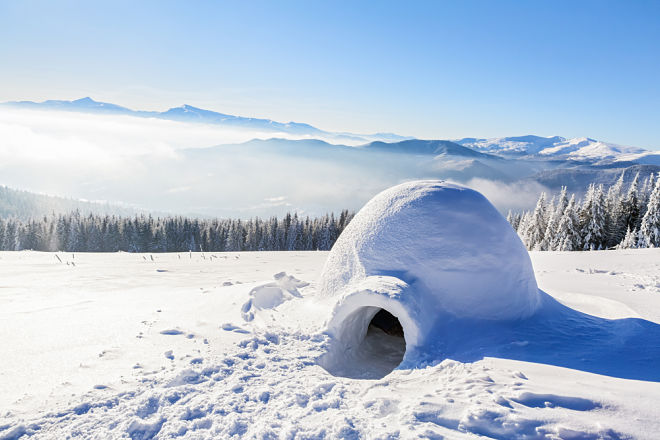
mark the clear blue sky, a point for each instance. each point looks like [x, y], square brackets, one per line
[430, 69]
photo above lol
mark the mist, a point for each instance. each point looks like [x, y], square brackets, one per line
[207, 170]
[516, 196]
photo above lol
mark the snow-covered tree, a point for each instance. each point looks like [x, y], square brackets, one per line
[647, 187]
[629, 241]
[649, 231]
[644, 195]
[513, 219]
[294, 234]
[567, 237]
[613, 207]
[522, 226]
[593, 219]
[535, 225]
[629, 208]
[550, 239]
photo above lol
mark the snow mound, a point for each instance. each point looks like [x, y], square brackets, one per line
[269, 296]
[423, 251]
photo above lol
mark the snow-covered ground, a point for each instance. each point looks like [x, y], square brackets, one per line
[221, 345]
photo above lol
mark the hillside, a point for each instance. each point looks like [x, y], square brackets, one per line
[26, 205]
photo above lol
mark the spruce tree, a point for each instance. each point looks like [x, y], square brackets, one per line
[613, 208]
[629, 241]
[567, 237]
[649, 231]
[536, 225]
[592, 219]
[629, 211]
[522, 226]
[551, 242]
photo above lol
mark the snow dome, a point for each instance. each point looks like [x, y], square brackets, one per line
[415, 254]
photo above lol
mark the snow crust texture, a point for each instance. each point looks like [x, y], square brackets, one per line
[123, 347]
[424, 250]
[270, 388]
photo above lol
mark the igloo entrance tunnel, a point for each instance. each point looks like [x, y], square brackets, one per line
[415, 255]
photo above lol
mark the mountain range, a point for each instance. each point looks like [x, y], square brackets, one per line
[295, 165]
[188, 113]
[582, 149]
[579, 149]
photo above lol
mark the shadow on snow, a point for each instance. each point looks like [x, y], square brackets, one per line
[556, 335]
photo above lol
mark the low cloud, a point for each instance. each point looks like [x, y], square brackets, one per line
[164, 166]
[517, 196]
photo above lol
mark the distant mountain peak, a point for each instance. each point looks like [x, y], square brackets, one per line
[428, 147]
[555, 147]
[84, 100]
[192, 108]
[190, 113]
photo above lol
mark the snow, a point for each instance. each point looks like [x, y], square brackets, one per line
[83, 354]
[647, 158]
[580, 148]
[586, 148]
[447, 241]
[447, 249]
[271, 295]
[423, 251]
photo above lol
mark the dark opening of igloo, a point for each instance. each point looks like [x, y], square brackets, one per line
[387, 322]
[377, 345]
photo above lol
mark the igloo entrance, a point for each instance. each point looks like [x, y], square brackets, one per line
[387, 322]
[373, 345]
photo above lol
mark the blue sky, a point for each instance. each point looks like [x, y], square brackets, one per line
[428, 69]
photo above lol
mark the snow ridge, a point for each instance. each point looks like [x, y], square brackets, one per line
[556, 147]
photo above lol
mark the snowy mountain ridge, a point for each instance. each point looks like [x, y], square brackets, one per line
[528, 146]
[158, 162]
[555, 147]
[189, 113]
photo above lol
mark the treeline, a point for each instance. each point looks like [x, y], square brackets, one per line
[102, 233]
[620, 218]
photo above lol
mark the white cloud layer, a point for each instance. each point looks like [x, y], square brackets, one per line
[166, 166]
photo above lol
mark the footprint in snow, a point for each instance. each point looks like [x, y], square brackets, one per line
[233, 328]
[172, 332]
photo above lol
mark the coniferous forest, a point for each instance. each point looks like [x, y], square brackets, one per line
[619, 217]
[143, 233]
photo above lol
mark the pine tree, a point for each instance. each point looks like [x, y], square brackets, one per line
[75, 233]
[2, 234]
[613, 208]
[308, 233]
[252, 235]
[11, 235]
[629, 241]
[550, 241]
[592, 219]
[536, 225]
[522, 226]
[629, 207]
[512, 219]
[649, 231]
[568, 230]
[293, 235]
[644, 195]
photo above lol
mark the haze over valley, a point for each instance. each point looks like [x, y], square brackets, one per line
[192, 161]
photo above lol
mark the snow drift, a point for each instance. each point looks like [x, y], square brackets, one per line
[423, 251]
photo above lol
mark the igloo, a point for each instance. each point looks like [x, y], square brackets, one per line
[416, 254]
